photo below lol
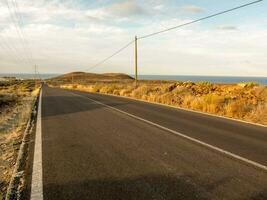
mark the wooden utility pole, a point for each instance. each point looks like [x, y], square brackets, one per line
[136, 78]
[72, 78]
[35, 70]
[35, 75]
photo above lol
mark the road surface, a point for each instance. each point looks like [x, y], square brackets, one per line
[101, 147]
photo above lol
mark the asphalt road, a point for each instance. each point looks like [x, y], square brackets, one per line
[90, 151]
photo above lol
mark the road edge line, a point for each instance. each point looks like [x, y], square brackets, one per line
[227, 153]
[37, 171]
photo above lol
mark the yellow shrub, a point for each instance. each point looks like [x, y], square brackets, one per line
[259, 114]
[116, 92]
[106, 89]
[96, 88]
[140, 91]
[187, 101]
[197, 104]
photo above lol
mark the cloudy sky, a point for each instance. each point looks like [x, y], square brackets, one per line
[72, 35]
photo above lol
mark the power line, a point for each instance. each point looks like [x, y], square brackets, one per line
[14, 18]
[201, 19]
[6, 43]
[175, 27]
[38, 73]
[20, 22]
[112, 55]
[10, 49]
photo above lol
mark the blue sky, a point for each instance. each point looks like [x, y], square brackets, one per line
[63, 36]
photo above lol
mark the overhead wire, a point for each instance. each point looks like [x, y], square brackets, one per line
[17, 20]
[21, 24]
[38, 73]
[112, 55]
[171, 28]
[14, 19]
[200, 19]
[8, 45]
[9, 49]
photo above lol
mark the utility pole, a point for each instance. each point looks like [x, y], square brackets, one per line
[72, 78]
[35, 72]
[136, 78]
[35, 75]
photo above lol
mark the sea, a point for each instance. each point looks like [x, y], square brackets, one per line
[28, 76]
[211, 79]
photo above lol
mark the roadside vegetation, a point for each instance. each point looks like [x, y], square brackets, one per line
[16, 101]
[245, 101]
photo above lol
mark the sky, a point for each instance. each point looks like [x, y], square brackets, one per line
[61, 36]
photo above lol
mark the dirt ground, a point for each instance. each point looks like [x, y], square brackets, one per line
[16, 101]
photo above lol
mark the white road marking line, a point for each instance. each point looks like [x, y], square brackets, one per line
[255, 164]
[37, 172]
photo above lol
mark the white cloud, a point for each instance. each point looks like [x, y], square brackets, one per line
[228, 27]
[159, 7]
[192, 9]
[65, 37]
[206, 52]
[127, 8]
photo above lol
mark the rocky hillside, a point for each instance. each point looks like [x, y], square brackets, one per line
[91, 77]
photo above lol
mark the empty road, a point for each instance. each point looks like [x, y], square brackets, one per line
[101, 147]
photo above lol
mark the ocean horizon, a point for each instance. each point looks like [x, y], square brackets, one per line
[212, 79]
[194, 78]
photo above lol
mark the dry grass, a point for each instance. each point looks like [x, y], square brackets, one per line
[16, 99]
[245, 101]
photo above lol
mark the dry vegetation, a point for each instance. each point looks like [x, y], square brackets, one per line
[16, 101]
[245, 101]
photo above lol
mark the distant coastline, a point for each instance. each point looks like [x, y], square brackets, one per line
[28, 76]
[212, 79]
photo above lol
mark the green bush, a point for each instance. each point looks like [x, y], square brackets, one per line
[248, 84]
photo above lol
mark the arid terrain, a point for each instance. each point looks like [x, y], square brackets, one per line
[16, 101]
[244, 101]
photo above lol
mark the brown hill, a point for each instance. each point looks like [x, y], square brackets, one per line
[92, 77]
